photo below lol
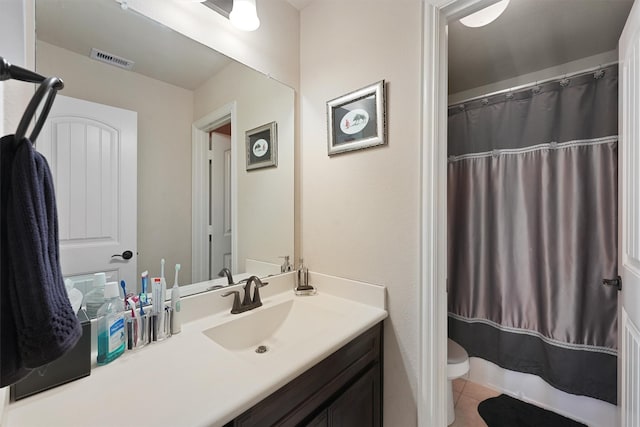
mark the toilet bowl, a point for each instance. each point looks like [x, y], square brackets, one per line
[457, 366]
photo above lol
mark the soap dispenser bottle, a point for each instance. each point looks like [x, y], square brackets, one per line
[302, 276]
[302, 281]
[286, 265]
[111, 336]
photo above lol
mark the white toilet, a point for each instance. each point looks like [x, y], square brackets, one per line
[457, 366]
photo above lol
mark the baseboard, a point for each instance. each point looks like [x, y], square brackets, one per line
[4, 403]
[533, 389]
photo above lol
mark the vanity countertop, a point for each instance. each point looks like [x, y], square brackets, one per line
[190, 380]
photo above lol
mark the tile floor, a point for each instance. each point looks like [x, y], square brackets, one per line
[466, 397]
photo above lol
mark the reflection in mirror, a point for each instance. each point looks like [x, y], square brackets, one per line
[196, 203]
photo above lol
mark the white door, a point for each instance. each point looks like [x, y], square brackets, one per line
[629, 195]
[92, 152]
[220, 203]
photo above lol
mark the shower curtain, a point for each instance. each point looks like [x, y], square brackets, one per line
[532, 231]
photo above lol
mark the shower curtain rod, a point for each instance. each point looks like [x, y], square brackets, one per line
[537, 82]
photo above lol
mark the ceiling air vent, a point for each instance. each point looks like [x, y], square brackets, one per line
[110, 59]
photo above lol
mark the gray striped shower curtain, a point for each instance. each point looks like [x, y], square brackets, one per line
[532, 231]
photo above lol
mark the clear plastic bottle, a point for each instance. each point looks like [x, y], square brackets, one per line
[95, 297]
[111, 333]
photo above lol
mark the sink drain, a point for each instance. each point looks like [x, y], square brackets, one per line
[262, 349]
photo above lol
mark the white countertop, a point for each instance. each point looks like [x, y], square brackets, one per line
[189, 380]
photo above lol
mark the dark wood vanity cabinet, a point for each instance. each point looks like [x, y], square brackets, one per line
[344, 390]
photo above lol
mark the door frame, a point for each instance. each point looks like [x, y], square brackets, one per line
[200, 188]
[432, 328]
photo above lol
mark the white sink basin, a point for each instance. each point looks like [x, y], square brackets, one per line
[274, 327]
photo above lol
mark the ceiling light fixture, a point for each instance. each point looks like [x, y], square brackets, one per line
[485, 16]
[244, 15]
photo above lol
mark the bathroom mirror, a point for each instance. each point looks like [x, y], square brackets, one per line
[175, 83]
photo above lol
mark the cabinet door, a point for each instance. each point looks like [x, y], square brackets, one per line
[359, 405]
[321, 420]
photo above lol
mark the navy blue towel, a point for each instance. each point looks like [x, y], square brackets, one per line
[38, 324]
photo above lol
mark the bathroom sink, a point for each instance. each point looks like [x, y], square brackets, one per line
[271, 328]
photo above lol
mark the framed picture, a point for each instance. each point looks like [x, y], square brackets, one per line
[357, 120]
[262, 146]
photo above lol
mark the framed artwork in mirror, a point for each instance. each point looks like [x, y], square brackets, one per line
[357, 120]
[262, 146]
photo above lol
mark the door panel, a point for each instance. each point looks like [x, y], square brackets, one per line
[92, 151]
[629, 191]
[220, 203]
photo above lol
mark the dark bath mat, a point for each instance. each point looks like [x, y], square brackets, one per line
[505, 411]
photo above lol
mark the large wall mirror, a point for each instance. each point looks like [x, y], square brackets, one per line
[194, 107]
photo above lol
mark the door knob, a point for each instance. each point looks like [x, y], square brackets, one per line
[124, 255]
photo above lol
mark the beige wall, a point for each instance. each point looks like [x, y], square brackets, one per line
[265, 196]
[360, 210]
[17, 29]
[165, 114]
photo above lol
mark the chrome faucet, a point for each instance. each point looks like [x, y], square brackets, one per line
[248, 303]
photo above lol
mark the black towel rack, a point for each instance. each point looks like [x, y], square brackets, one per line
[49, 87]
[8, 71]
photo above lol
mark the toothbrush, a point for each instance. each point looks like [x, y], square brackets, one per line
[162, 293]
[176, 323]
[145, 281]
[163, 288]
[141, 309]
[132, 304]
[124, 291]
[175, 282]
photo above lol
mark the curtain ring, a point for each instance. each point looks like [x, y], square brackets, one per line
[564, 82]
[598, 74]
[536, 89]
[485, 101]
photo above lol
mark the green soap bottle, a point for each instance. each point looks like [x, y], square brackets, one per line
[111, 336]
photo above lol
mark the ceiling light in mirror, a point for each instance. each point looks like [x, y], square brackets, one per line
[486, 15]
[244, 16]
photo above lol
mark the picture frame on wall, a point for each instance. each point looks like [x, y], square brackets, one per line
[262, 146]
[357, 120]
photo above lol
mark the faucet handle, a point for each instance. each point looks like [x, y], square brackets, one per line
[236, 301]
[259, 283]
